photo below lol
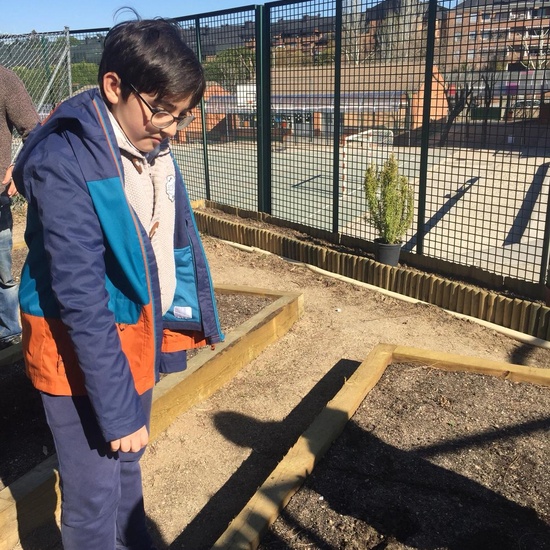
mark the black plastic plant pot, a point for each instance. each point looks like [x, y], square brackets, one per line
[386, 253]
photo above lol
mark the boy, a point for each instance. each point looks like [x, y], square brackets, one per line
[116, 285]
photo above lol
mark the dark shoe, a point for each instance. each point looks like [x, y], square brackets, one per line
[10, 341]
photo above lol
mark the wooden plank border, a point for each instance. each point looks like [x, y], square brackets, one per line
[525, 316]
[246, 529]
[33, 500]
[206, 373]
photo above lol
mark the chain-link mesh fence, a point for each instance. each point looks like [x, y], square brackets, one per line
[42, 62]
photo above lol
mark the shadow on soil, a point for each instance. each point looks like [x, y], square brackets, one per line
[384, 495]
[408, 500]
[269, 443]
[521, 354]
[26, 442]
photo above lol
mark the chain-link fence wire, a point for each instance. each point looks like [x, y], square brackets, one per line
[86, 50]
[470, 135]
[42, 62]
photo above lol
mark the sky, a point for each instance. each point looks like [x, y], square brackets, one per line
[24, 16]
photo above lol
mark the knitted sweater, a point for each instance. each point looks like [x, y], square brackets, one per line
[149, 182]
[16, 111]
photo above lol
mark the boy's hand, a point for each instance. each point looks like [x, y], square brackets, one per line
[131, 443]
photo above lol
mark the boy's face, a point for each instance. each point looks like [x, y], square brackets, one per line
[134, 114]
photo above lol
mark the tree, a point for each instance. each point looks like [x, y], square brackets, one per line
[232, 67]
[398, 28]
[84, 74]
[462, 100]
[539, 60]
[489, 82]
[351, 31]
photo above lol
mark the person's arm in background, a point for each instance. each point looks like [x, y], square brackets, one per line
[22, 115]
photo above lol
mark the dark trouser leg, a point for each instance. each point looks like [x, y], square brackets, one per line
[102, 502]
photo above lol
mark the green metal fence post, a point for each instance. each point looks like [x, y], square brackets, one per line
[544, 271]
[263, 106]
[336, 136]
[425, 137]
[203, 116]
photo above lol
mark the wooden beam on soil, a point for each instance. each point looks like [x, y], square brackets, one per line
[207, 373]
[28, 503]
[262, 509]
[461, 363]
[247, 528]
[33, 500]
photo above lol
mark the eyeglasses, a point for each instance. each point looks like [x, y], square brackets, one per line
[162, 119]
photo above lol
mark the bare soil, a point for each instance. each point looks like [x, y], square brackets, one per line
[431, 460]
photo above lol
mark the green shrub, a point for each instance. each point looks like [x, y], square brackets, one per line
[390, 201]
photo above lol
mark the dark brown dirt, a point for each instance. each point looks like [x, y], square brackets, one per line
[431, 460]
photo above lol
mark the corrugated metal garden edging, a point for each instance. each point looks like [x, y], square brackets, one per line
[524, 316]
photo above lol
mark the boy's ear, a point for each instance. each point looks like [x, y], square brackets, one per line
[111, 87]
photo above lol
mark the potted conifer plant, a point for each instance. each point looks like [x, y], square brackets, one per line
[390, 203]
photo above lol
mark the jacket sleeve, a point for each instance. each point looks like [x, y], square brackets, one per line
[74, 245]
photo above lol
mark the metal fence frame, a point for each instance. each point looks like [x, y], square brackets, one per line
[245, 156]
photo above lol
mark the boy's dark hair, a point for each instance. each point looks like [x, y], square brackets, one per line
[151, 55]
